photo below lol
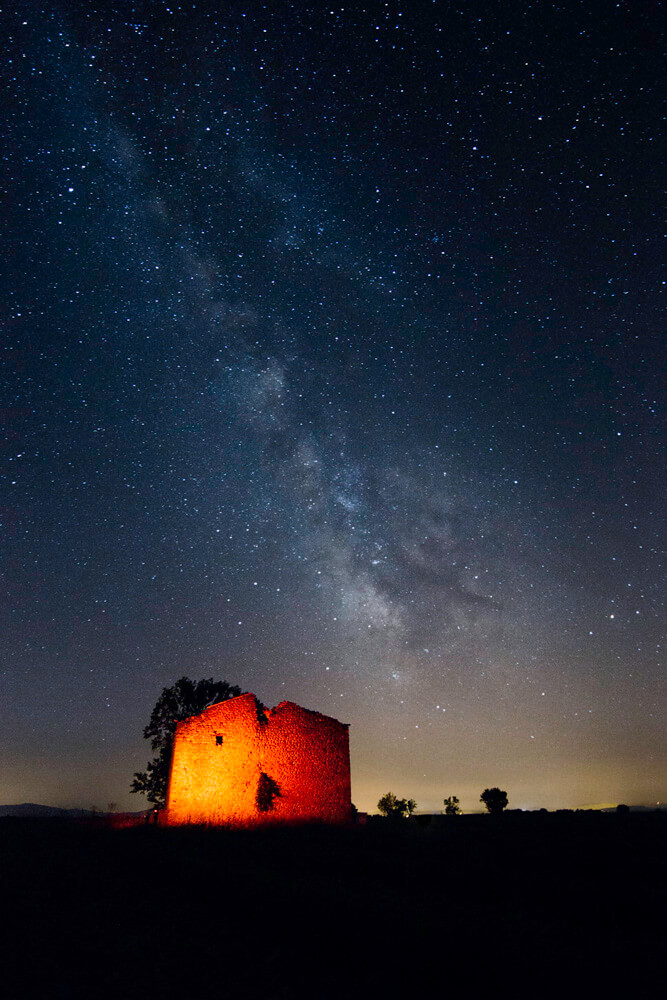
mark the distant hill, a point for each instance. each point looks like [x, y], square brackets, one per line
[32, 810]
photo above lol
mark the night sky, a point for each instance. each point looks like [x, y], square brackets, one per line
[332, 368]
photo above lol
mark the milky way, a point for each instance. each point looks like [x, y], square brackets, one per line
[332, 345]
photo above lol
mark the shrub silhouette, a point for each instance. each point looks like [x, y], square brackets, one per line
[267, 791]
[495, 800]
[394, 808]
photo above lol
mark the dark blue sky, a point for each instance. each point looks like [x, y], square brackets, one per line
[332, 349]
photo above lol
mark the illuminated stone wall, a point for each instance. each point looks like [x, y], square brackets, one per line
[239, 763]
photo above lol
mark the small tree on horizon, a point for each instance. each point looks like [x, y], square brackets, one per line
[393, 808]
[495, 800]
[452, 807]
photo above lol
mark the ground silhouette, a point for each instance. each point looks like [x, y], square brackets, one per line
[321, 912]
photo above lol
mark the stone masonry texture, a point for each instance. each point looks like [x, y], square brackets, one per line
[240, 764]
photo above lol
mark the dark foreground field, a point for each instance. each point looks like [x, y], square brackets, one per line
[473, 903]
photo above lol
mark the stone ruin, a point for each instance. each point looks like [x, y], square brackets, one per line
[238, 763]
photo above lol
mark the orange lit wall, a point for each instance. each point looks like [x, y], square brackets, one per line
[242, 764]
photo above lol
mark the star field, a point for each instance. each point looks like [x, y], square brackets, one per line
[331, 345]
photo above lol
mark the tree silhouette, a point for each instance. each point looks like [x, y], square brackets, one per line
[452, 807]
[267, 791]
[394, 808]
[495, 800]
[183, 699]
